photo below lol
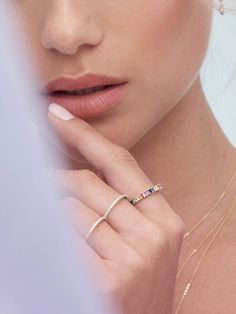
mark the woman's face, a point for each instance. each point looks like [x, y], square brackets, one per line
[157, 46]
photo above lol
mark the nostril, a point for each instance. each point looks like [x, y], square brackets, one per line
[65, 43]
[67, 35]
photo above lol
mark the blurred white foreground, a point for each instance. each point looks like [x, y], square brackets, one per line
[42, 269]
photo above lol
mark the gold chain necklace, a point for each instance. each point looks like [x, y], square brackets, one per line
[196, 249]
[187, 234]
[221, 223]
[212, 229]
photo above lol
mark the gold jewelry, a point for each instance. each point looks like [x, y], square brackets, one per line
[187, 234]
[188, 286]
[114, 204]
[104, 217]
[94, 226]
[222, 7]
[156, 188]
[201, 243]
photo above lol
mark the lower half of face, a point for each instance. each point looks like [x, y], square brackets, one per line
[156, 46]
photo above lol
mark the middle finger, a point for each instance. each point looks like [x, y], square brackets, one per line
[96, 194]
[117, 165]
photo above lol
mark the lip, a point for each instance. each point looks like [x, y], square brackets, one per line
[90, 105]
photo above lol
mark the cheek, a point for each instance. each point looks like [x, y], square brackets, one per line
[170, 39]
[163, 45]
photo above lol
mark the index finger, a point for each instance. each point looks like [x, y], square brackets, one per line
[118, 166]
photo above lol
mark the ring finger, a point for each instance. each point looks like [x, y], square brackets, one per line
[103, 240]
[117, 165]
[75, 183]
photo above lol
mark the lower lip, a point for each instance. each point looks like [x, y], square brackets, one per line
[91, 105]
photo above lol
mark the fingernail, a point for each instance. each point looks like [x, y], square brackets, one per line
[60, 112]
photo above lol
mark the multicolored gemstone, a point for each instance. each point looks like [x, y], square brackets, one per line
[156, 188]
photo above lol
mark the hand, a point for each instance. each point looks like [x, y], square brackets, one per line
[137, 250]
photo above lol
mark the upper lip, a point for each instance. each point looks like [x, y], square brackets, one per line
[89, 80]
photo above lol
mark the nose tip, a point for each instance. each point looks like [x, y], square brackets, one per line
[64, 42]
[67, 35]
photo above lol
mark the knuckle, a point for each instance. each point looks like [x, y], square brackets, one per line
[160, 240]
[176, 232]
[134, 261]
[175, 224]
[123, 154]
[155, 236]
[178, 227]
[84, 176]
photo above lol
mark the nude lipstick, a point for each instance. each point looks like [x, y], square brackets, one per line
[87, 96]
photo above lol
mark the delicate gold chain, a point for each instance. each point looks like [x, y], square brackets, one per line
[219, 224]
[187, 288]
[196, 249]
[187, 234]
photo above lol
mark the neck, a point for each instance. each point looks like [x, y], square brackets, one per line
[188, 152]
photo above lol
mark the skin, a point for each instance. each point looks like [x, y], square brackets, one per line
[166, 125]
[127, 252]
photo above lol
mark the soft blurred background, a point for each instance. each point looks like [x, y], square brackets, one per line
[43, 262]
[219, 72]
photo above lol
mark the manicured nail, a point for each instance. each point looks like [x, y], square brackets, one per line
[60, 112]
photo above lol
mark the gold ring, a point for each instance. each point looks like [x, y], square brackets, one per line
[104, 217]
[156, 188]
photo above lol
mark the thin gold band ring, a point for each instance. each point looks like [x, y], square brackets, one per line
[104, 217]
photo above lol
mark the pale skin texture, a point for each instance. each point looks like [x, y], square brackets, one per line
[175, 140]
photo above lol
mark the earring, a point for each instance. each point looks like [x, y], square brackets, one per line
[222, 7]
